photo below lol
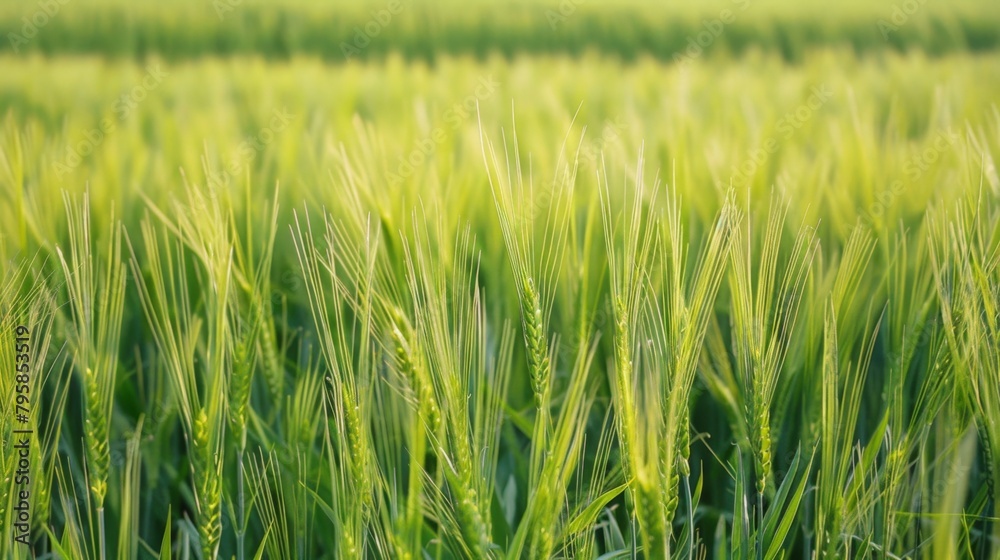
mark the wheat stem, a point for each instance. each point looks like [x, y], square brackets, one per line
[101, 533]
[240, 526]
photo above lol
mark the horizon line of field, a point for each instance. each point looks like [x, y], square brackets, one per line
[398, 28]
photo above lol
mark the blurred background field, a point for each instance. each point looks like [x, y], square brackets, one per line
[688, 124]
[204, 128]
[429, 30]
[699, 124]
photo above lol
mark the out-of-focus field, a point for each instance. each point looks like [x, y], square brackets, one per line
[502, 284]
[700, 124]
[427, 30]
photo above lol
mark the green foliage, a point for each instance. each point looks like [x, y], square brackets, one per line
[343, 31]
[510, 344]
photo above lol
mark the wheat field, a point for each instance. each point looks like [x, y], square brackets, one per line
[531, 281]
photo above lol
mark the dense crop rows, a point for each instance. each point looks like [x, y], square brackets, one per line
[544, 307]
[337, 31]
